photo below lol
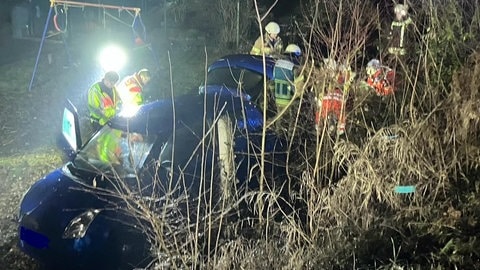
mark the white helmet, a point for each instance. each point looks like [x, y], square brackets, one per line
[293, 49]
[401, 8]
[372, 66]
[373, 63]
[272, 28]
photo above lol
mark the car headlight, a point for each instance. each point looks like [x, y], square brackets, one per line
[78, 226]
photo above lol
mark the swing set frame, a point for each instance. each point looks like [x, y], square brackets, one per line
[68, 3]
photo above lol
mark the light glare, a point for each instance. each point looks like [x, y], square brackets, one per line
[112, 58]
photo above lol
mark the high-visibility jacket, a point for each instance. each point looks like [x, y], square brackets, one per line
[382, 81]
[397, 35]
[131, 91]
[284, 82]
[332, 104]
[287, 81]
[101, 105]
[269, 47]
[336, 103]
[109, 147]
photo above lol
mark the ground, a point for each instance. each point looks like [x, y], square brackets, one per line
[27, 141]
[30, 117]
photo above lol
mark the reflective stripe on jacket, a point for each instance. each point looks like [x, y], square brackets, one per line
[397, 34]
[109, 147]
[102, 107]
[268, 47]
[332, 104]
[382, 81]
[131, 91]
[284, 82]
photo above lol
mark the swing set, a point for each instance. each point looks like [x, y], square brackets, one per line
[60, 23]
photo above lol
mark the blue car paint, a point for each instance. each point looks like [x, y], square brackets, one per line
[53, 201]
[46, 210]
[250, 62]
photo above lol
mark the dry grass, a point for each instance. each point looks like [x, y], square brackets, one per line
[348, 213]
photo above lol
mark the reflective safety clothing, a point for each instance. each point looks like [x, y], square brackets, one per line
[287, 81]
[382, 81]
[331, 107]
[102, 105]
[284, 82]
[269, 47]
[398, 31]
[131, 91]
[109, 147]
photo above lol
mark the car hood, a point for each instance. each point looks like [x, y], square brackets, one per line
[61, 191]
[53, 202]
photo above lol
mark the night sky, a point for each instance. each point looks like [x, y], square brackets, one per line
[283, 7]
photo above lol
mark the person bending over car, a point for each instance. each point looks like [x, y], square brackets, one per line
[124, 149]
[103, 100]
[272, 44]
[131, 88]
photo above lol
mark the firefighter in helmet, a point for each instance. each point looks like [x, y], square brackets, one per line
[103, 100]
[336, 100]
[287, 77]
[398, 31]
[131, 87]
[380, 78]
[272, 44]
[293, 53]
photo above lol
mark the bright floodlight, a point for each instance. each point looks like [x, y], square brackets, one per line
[129, 110]
[112, 58]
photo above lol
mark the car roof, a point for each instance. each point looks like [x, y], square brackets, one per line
[158, 117]
[246, 61]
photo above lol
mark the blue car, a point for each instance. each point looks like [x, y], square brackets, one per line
[77, 217]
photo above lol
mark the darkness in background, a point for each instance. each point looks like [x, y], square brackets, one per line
[282, 8]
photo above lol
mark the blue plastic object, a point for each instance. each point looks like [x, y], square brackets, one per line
[405, 189]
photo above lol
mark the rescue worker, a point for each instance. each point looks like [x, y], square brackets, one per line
[287, 77]
[109, 147]
[118, 148]
[293, 53]
[336, 99]
[398, 30]
[131, 87]
[380, 78]
[103, 100]
[272, 44]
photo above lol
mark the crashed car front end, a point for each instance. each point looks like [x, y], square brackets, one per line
[73, 219]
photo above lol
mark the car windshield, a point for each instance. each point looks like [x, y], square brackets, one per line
[113, 151]
[236, 78]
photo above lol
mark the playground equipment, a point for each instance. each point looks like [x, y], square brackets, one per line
[60, 10]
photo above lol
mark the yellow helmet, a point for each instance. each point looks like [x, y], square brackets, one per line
[272, 28]
[144, 76]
